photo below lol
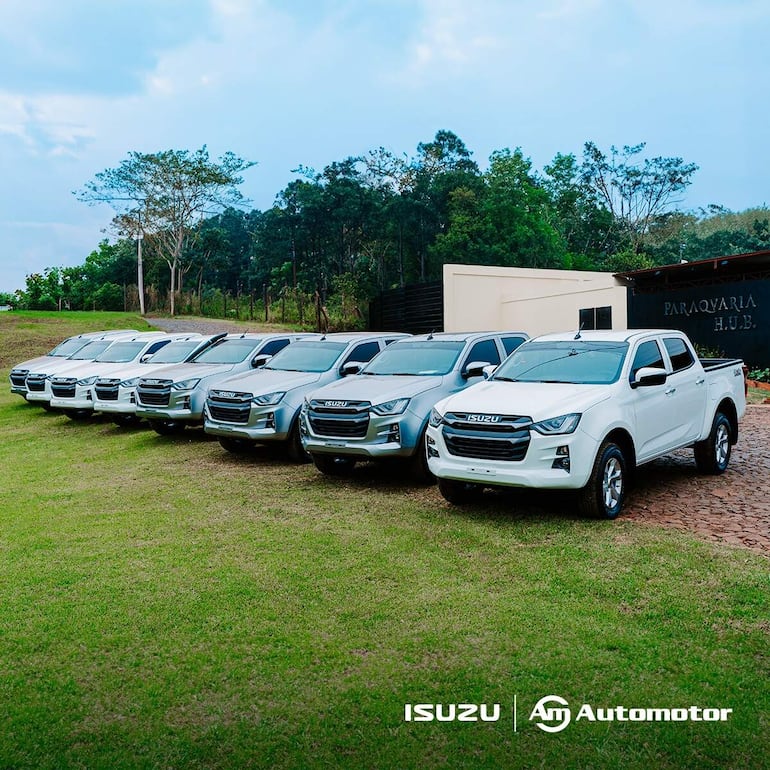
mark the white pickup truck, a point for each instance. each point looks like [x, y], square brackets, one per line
[582, 411]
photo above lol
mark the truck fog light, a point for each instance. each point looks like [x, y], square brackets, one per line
[394, 434]
[431, 447]
[186, 402]
[88, 395]
[562, 459]
[270, 420]
[132, 398]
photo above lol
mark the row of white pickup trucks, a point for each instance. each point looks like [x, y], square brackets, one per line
[575, 411]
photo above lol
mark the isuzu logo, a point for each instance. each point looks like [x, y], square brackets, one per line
[225, 394]
[483, 418]
[336, 403]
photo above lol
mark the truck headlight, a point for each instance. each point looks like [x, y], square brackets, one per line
[436, 418]
[565, 423]
[269, 399]
[132, 383]
[186, 384]
[396, 406]
[87, 381]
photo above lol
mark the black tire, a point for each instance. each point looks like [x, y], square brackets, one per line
[333, 465]
[126, 420]
[712, 455]
[603, 496]
[294, 448]
[237, 446]
[418, 464]
[166, 427]
[458, 492]
[78, 415]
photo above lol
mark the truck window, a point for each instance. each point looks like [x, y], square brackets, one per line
[647, 354]
[678, 352]
[485, 350]
[363, 352]
[156, 346]
[511, 343]
[272, 347]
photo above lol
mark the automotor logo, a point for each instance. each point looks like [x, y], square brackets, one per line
[551, 714]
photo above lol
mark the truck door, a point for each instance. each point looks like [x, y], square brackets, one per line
[655, 411]
[686, 387]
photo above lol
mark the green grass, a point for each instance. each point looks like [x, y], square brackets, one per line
[165, 604]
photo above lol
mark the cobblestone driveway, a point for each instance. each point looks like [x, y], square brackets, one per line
[732, 508]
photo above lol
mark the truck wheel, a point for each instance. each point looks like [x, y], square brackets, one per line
[418, 464]
[126, 420]
[712, 455]
[602, 497]
[457, 492]
[166, 427]
[237, 446]
[78, 414]
[294, 448]
[333, 465]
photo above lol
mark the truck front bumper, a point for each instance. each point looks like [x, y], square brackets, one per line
[124, 404]
[551, 462]
[265, 424]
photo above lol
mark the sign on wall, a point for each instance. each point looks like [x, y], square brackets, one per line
[732, 319]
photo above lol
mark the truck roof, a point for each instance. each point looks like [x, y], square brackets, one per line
[359, 336]
[463, 336]
[605, 335]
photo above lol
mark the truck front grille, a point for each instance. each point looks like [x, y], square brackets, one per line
[36, 382]
[487, 437]
[226, 406]
[348, 421]
[19, 378]
[153, 392]
[64, 388]
[107, 390]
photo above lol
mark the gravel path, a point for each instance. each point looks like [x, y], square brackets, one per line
[733, 508]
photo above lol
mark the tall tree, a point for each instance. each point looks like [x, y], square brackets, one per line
[634, 190]
[166, 194]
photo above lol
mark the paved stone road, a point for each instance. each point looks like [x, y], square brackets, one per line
[733, 508]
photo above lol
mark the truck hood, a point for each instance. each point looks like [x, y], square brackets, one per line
[91, 369]
[538, 400]
[34, 364]
[378, 388]
[181, 372]
[56, 365]
[129, 371]
[261, 381]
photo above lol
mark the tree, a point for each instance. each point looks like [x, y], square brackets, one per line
[634, 191]
[166, 194]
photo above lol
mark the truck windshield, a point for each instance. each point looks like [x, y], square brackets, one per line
[418, 358]
[120, 352]
[231, 351]
[576, 362]
[68, 347]
[307, 357]
[174, 352]
[91, 351]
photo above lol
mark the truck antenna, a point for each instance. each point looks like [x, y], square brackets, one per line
[577, 336]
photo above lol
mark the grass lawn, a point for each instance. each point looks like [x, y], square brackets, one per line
[166, 605]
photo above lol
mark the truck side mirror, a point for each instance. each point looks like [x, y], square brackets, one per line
[488, 371]
[351, 367]
[259, 361]
[649, 375]
[475, 369]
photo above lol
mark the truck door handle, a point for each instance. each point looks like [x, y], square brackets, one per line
[670, 391]
[700, 381]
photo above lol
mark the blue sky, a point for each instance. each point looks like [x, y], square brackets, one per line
[284, 83]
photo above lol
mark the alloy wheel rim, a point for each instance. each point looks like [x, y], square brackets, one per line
[612, 483]
[722, 445]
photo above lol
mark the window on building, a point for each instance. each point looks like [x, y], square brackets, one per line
[596, 318]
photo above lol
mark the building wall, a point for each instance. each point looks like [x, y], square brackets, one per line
[479, 298]
[730, 319]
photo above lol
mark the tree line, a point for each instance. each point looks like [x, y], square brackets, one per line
[337, 237]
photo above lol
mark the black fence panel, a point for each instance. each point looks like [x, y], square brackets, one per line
[728, 319]
[417, 308]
